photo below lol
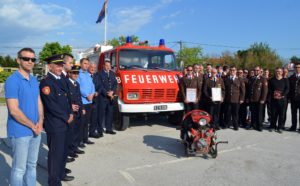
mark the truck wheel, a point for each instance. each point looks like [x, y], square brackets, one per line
[121, 120]
[175, 118]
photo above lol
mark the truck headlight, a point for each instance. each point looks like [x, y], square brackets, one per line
[202, 122]
[133, 96]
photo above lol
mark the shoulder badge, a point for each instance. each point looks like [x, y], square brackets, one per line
[46, 90]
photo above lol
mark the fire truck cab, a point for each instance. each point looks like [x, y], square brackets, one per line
[148, 82]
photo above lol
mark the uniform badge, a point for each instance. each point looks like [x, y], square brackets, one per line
[46, 90]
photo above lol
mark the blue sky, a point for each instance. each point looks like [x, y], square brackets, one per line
[215, 25]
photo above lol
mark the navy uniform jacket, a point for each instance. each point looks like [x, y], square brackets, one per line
[75, 95]
[107, 83]
[57, 108]
[97, 83]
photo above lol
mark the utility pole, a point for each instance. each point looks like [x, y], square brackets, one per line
[180, 50]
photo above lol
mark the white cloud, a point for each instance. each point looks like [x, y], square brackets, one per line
[130, 20]
[22, 18]
[172, 15]
[170, 25]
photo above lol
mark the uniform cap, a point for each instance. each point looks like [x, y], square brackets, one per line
[107, 59]
[55, 59]
[75, 68]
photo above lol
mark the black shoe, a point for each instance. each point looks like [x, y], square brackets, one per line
[292, 129]
[236, 128]
[81, 145]
[94, 135]
[69, 160]
[78, 151]
[67, 171]
[88, 142]
[259, 129]
[73, 155]
[67, 178]
[110, 132]
[279, 131]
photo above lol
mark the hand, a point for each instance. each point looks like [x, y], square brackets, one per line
[83, 112]
[34, 128]
[39, 126]
[110, 94]
[96, 94]
[186, 101]
[261, 102]
[241, 102]
[90, 97]
[71, 117]
[75, 108]
[196, 101]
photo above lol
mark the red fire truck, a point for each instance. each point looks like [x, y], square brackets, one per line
[147, 81]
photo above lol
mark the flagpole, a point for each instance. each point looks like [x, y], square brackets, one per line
[105, 21]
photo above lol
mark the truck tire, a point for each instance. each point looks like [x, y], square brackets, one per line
[176, 118]
[121, 120]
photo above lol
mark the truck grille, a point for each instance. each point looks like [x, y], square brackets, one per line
[156, 95]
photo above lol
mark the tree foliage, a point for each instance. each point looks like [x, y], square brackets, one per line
[122, 40]
[8, 61]
[295, 59]
[54, 48]
[3, 76]
[189, 56]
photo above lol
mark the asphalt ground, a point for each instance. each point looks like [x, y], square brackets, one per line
[150, 153]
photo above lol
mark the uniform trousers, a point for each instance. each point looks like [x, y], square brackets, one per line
[85, 121]
[190, 106]
[214, 111]
[256, 109]
[106, 109]
[232, 115]
[295, 107]
[57, 148]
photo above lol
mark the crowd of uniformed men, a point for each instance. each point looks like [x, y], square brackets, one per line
[245, 95]
[81, 97]
[71, 103]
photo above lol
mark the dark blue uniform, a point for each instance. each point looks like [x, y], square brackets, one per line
[57, 111]
[95, 124]
[76, 126]
[109, 83]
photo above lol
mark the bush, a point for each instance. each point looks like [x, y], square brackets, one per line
[3, 76]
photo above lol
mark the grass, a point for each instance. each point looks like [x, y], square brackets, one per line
[2, 101]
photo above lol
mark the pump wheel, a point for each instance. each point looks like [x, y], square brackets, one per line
[121, 120]
[175, 118]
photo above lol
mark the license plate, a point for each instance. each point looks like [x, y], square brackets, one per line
[160, 107]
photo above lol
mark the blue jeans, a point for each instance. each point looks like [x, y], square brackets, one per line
[25, 152]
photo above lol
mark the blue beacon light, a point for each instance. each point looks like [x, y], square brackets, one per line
[128, 39]
[161, 42]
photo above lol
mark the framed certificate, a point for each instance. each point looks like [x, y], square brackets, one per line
[191, 95]
[216, 94]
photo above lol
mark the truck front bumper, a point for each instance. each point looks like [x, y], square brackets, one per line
[149, 108]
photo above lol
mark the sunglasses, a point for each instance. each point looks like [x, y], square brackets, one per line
[28, 59]
[189, 70]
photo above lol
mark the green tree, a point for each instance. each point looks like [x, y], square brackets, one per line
[3, 76]
[189, 56]
[295, 59]
[122, 40]
[8, 61]
[259, 54]
[54, 48]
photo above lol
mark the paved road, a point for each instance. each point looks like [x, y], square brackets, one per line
[149, 153]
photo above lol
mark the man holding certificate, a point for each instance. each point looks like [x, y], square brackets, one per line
[214, 91]
[190, 88]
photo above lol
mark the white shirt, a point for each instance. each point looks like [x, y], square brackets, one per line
[56, 77]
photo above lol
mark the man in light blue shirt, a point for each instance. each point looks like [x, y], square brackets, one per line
[25, 119]
[87, 90]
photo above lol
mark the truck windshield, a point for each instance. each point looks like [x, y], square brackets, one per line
[147, 59]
